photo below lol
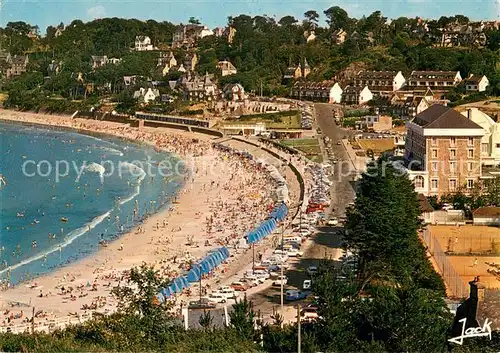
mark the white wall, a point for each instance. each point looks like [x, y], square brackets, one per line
[335, 94]
[365, 95]
[487, 220]
[398, 82]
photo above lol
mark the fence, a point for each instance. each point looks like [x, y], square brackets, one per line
[454, 283]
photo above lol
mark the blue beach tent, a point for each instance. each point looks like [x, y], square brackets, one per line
[194, 274]
[160, 297]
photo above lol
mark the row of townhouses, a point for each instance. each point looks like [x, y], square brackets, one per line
[389, 85]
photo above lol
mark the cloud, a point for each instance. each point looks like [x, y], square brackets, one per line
[96, 12]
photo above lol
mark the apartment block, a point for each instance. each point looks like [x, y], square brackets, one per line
[443, 151]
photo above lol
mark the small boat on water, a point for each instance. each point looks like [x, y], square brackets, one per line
[19, 214]
[64, 219]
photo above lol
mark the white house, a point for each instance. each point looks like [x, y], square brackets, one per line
[365, 95]
[206, 32]
[226, 68]
[354, 95]
[310, 36]
[146, 95]
[490, 142]
[487, 216]
[143, 43]
[115, 61]
[476, 83]
[335, 95]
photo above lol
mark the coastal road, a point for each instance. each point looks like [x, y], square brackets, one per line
[342, 190]
[326, 244]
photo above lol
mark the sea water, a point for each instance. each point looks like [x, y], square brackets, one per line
[48, 221]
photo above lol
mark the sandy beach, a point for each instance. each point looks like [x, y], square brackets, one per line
[222, 200]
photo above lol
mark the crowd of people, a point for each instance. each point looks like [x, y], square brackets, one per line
[232, 195]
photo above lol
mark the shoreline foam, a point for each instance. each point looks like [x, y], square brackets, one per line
[189, 213]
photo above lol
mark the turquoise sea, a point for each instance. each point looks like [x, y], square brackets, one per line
[48, 221]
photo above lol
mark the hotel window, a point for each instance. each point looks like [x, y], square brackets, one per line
[453, 167]
[470, 183]
[498, 145]
[434, 153]
[485, 149]
[434, 184]
[419, 182]
[470, 153]
[434, 141]
[453, 141]
[453, 154]
[453, 184]
[470, 141]
[434, 166]
[470, 166]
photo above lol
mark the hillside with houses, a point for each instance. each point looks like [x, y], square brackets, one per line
[398, 66]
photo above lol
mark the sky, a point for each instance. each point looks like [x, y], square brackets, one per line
[215, 13]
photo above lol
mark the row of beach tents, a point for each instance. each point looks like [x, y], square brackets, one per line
[215, 257]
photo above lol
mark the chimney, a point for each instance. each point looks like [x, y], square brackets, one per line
[469, 113]
[468, 309]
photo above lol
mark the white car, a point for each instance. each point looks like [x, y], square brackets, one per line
[250, 283]
[333, 222]
[254, 278]
[229, 293]
[292, 252]
[305, 233]
[278, 281]
[217, 297]
[279, 252]
[262, 274]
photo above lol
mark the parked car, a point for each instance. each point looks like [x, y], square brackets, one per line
[333, 222]
[250, 283]
[239, 286]
[309, 314]
[262, 274]
[229, 293]
[254, 278]
[203, 303]
[312, 270]
[307, 284]
[280, 280]
[294, 252]
[294, 294]
[217, 297]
